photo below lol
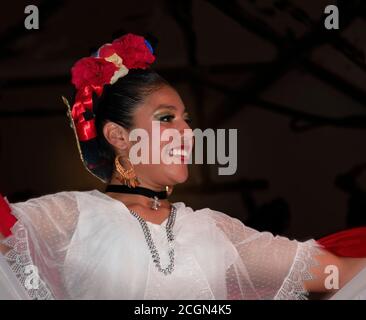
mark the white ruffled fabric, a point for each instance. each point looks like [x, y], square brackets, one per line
[87, 245]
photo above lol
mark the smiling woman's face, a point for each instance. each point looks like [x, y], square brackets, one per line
[164, 106]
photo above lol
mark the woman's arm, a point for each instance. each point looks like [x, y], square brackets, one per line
[333, 272]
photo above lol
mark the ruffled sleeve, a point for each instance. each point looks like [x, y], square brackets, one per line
[39, 243]
[267, 266]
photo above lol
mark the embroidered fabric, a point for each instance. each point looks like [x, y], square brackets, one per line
[293, 286]
[87, 245]
[275, 266]
[20, 262]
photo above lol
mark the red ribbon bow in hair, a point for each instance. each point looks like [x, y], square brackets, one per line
[90, 75]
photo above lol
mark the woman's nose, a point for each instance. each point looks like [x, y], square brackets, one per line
[185, 132]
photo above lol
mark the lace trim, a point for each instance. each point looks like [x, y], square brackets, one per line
[20, 262]
[293, 286]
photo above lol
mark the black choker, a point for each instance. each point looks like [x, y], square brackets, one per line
[154, 195]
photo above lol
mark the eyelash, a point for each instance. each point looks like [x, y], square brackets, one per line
[169, 117]
[188, 119]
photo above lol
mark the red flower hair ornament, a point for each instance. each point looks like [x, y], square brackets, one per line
[89, 76]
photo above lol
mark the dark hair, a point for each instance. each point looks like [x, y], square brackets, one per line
[119, 101]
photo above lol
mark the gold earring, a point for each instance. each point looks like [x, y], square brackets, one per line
[126, 176]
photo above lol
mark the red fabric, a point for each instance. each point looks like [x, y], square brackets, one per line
[7, 220]
[347, 243]
[84, 101]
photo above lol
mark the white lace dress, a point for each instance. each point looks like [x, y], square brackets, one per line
[86, 245]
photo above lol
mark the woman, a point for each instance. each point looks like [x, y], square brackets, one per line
[131, 242]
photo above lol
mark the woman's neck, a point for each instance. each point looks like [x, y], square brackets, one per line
[115, 181]
[131, 200]
[137, 200]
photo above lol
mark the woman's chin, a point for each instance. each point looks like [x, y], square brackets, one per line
[179, 175]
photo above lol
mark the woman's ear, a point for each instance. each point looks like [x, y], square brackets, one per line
[116, 135]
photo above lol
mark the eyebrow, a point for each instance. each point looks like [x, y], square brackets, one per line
[168, 106]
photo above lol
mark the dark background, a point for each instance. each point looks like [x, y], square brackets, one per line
[295, 91]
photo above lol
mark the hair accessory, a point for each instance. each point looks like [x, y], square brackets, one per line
[111, 62]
